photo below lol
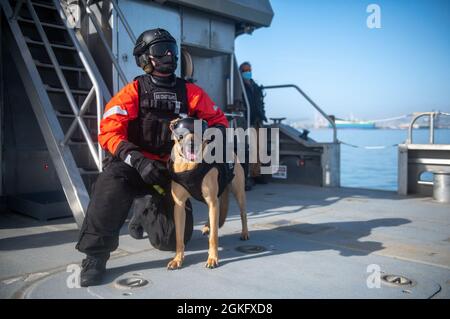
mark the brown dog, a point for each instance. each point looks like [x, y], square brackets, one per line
[184, 160]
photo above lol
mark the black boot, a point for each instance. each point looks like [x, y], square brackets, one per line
[135, 227]
[93, 269]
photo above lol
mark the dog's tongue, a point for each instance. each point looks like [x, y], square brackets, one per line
[190, 156]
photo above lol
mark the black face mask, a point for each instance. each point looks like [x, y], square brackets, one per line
[166, 64]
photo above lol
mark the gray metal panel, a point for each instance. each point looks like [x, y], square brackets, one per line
[208, 73]
[402, 178]
[203, 31]
[292, 146]
[331, 165]
[28, 171]
[415, 159]
[196, 29]
[42, 205]
[222, 36]
[256, 12]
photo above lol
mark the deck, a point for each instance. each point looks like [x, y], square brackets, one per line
[315, 243]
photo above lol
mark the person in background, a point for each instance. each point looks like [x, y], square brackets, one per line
[257, 118]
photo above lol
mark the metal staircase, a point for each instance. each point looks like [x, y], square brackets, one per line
[65, 88]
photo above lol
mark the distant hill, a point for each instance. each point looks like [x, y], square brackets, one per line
[399, 122]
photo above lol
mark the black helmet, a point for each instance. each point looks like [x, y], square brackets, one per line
[155, 42]
[186, 125]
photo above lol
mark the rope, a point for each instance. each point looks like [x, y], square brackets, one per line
[401, 117]
[367, 147]
[391, 118]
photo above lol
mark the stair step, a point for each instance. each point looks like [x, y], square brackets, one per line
[47, 5]
[81, 144]
[44, 24]
[77, 143]
[63, 67]
[88, 171]
[61, 90]
[71, 115]
[54, 45]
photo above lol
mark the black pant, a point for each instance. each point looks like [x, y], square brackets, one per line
[111, 199]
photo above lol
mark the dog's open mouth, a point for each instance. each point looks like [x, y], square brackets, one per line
[190, 155]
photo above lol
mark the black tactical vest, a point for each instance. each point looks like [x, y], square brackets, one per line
[192, 180]
[157, 107]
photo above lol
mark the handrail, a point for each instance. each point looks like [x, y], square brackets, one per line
[432, 116]
[114, 60]
[100, 33]
[99, 94]
[124, 20]
[282, 86]
[17, 8]
[98, 28]
[244, 92]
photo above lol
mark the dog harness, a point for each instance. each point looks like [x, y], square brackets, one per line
[192, 180]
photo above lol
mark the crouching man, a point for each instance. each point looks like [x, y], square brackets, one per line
[135, 133]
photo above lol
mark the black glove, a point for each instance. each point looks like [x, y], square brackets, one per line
[153, 172]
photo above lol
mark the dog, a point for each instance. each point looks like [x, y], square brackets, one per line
[184, 155]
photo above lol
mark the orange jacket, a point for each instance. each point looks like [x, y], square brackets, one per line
[124, 107]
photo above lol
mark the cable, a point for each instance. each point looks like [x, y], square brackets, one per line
[391, 118]
[367, 147]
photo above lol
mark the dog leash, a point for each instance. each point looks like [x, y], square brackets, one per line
[159, 189]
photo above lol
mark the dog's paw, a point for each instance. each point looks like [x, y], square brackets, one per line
[212, 262]
[174, 264]
[205, 230]
[245, 235]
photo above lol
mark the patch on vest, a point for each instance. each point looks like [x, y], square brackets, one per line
[169, 96]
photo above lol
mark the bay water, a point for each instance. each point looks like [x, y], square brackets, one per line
[374, 168]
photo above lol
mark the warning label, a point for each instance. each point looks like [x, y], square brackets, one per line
[280, 172]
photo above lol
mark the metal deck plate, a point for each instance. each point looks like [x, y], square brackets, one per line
[320, 243]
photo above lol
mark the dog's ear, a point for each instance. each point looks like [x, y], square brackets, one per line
[173, 123]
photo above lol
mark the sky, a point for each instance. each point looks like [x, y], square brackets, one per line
[348, 69]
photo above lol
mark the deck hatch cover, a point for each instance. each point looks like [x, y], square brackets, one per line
[131, 282]
[251, 249]
[397, 280]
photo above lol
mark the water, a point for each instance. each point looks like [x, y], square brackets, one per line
[374, 168]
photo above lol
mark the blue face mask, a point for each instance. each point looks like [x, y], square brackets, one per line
[247, 75]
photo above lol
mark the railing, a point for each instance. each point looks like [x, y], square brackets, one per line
[432, 116]
[283, 86]
[87, 5]
[99, 94]
[244, 92]
[234, 117]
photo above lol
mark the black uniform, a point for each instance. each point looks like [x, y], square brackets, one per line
[119, 184]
